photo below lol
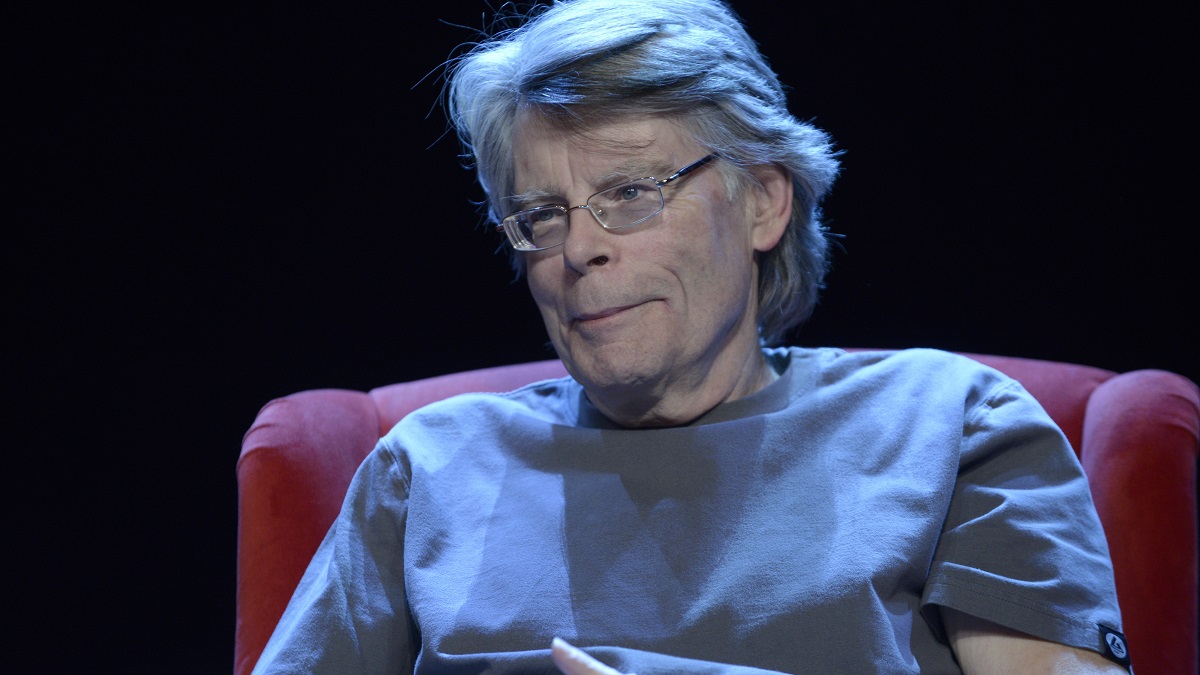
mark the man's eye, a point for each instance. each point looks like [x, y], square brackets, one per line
[628, 192]
[544, 216]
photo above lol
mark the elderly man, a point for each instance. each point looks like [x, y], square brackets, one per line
[690, 499]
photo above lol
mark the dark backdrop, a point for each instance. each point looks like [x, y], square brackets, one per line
[220, 205]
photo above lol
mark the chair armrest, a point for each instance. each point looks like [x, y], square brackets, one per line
[1140, 443]
[296, 463]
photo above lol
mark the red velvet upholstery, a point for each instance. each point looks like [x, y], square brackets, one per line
[1136, 433]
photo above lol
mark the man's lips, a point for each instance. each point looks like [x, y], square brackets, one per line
[604, 313]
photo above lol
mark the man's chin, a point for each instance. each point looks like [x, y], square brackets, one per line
[609, 370]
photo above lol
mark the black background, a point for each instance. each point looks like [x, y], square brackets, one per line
[220, 205]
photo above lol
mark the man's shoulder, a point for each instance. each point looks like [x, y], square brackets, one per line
[913, 360]
[480, 428]
[549, 400]
[910, 370]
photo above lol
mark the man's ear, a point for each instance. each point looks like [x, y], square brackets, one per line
[772, 205]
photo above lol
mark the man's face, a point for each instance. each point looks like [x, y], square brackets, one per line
[659, 307]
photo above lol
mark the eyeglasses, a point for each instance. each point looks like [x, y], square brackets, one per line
[615, 208]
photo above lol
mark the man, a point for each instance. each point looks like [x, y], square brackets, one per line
[689, 500]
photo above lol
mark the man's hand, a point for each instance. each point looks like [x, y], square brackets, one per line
[572, 661]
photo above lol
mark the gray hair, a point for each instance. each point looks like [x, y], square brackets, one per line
[584, 62]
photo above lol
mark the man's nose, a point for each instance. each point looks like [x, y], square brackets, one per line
[588, 244]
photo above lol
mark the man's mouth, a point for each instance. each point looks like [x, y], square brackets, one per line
[604, 313]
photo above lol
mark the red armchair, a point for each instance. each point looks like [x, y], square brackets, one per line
[1136, 434]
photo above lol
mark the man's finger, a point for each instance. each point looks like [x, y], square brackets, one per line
[573, 661]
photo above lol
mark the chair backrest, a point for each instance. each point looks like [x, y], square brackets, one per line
[1136, 434]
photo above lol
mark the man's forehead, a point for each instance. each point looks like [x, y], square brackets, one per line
[615, 137]
[635, 147]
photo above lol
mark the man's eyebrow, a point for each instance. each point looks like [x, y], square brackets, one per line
[553, 194]
[534, 197]
[632, 171]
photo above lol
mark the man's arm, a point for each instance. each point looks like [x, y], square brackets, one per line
[983, 648]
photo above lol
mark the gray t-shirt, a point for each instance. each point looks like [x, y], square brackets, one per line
[812, 527]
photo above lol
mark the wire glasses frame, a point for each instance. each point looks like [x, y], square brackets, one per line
[614, 208]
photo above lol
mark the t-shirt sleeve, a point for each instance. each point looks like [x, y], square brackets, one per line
[349, 612]
[1022, 545]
